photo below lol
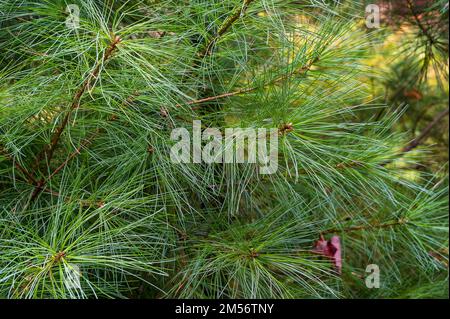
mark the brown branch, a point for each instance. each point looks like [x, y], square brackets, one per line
[237, 12]
[33, 182]
[68, 198]
[226, 25]
[220, 96]
[24, 171]
[424, 30]
[418, 140]
[47, 152]
[83, 144]
[399, 222]
[302, 71]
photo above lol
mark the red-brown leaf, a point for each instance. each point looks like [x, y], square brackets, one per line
[332, 249]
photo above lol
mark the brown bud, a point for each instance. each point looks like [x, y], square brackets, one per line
[285, 128]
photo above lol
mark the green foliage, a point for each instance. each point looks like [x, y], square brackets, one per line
[87, 182]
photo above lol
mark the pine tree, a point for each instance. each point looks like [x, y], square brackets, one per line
[89, 189]
[416, 73]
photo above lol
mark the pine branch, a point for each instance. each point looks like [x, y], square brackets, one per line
[68, 199]
[221, 229]
[220, 96]
[225, 26]
[399, 222]
[424, 30]
[301, 71]
[418, 140]
[47, 152]
[19, 167]
[49, 149]
[85, 143]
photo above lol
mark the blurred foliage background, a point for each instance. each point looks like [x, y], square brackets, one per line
[86, 177]
[410, 74]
